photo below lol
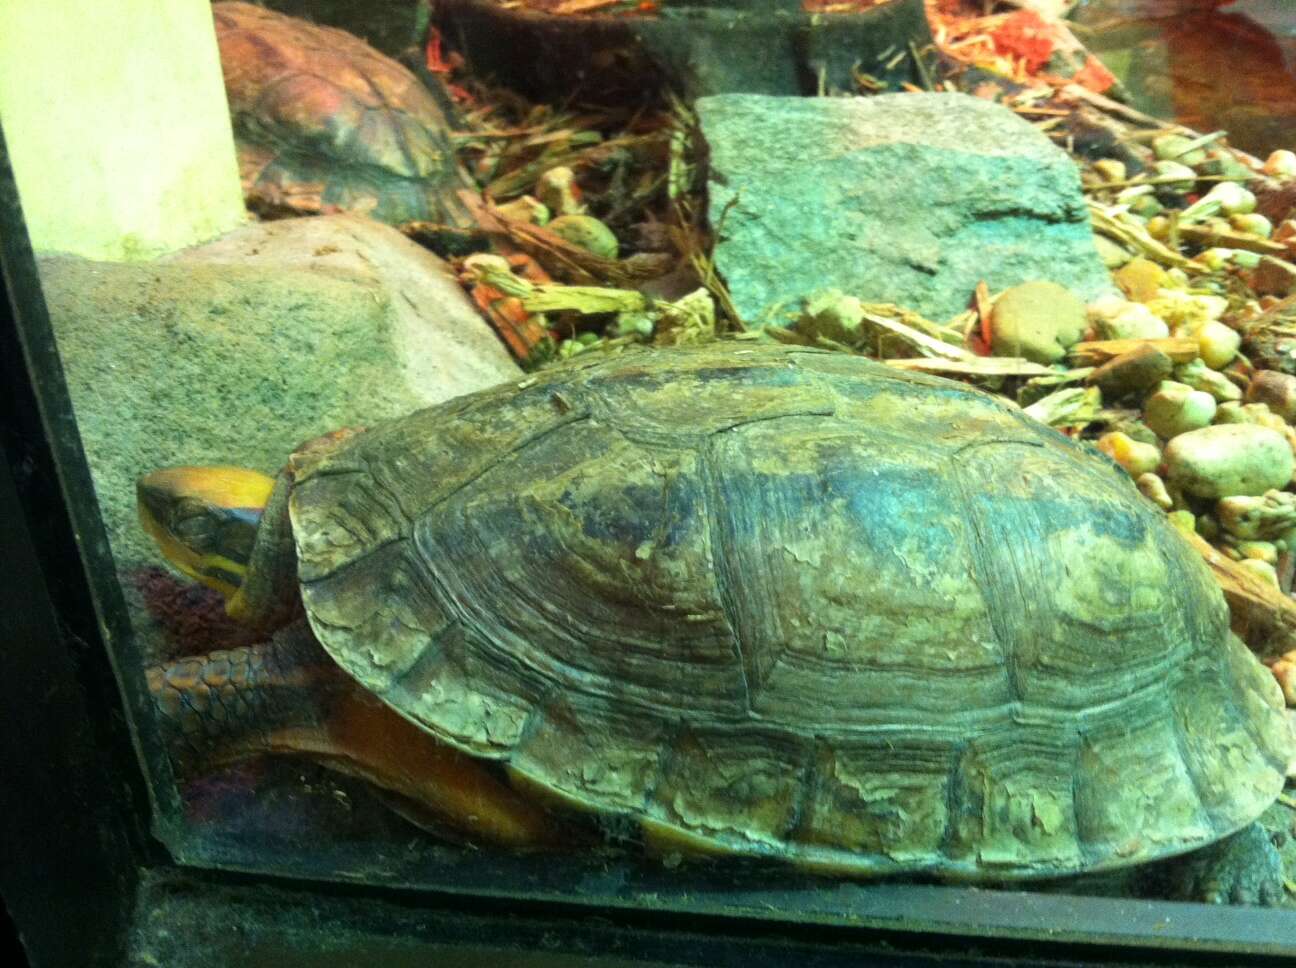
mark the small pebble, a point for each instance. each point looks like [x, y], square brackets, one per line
[1182, 177]
[1116, 318]
[1136, 458]
[1186, 309]
[1138, 370]
[1271, 515]
[525, 209]
[1113, 255]
[1218, 344]
[558, 190]
[1257, 414]
[1275, 390]
[1261, 568]
[1284, 670]
[1253, 223]
[1038, 320]
[587, 232]
[1176, 408]
[1259, 550]
[1154, 489]
[1281, 164]
[1273, 277]
[1110, 169]
[1199, 376]
[1131, 426]
[1228, 459]
[1221, 163]
[1177, 147]
[833, 315]
[1140, 279]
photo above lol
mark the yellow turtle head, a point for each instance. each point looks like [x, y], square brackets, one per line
[205, 519]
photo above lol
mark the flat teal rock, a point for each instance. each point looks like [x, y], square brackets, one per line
[904, 198]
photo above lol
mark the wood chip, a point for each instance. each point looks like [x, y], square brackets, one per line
[1099, 351]
[920, 340]
[978, 366]
[1230, 238]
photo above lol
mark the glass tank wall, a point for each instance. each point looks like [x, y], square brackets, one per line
[733, 457]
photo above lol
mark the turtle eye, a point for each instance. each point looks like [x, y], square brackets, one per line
[193, 524]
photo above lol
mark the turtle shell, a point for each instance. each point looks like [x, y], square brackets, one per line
[781, 602]
[324, 121]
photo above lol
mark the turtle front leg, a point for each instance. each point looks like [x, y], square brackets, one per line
[287, 697]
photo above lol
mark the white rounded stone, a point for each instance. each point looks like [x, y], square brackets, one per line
[1229, 459]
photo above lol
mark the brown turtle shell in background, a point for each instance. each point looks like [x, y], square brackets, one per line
[779, 602]
[325, 122]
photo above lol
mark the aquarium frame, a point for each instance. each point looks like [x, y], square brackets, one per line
[87, 879]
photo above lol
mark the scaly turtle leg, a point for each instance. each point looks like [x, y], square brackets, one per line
[286, 696]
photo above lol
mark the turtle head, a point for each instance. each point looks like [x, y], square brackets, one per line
[205, 519]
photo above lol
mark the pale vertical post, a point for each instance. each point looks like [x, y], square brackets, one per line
[117, 125]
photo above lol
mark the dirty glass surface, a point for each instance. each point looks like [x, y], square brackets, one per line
[599, 633]
[1207, 65]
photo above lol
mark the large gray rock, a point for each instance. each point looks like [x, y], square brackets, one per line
[236, 351]
[904, 198]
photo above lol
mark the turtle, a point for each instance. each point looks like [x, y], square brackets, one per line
[745, 600]
[325, 122]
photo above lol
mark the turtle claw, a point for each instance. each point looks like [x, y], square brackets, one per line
[1242, 869]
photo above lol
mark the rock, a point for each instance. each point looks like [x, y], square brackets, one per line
[832, 315]
[904, 198]
[1251, 518]
[1134, 372]
[1037, 320]
[558, 190]
[1116, 318]
[1284, 670]
[587, 232]
[236, 351]
[1249, 413]
[1110, 169]
[1175, 147]
[1218, 344]
[1154, 489]
[1199, 376]
[1112, 254]
[1262, 568]
[1140, 279]
[1229, 459]
[1137, 458]
[1177, 408]
[1273, 277]
[1186, 309]
[525, 209]
[1258, 550]
[1275, 390]
[1128, 422]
